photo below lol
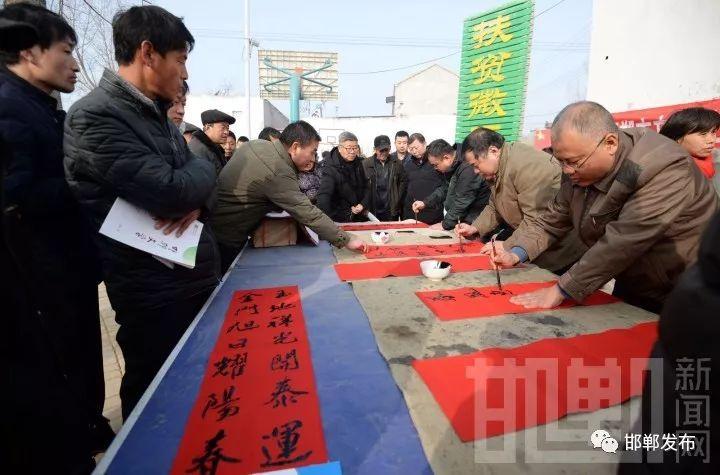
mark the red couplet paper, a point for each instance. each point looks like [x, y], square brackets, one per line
[471, 302]
[423, 250]
[381, 226]
[405, 267]
[501, 390]
[257, 409]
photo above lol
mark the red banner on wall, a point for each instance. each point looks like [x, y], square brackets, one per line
[257, 409]
[653, 117]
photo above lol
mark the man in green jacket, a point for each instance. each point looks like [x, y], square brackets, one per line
[261, 177]
[463, 193]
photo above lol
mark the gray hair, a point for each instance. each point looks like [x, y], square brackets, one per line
[347, 137]
[587, 118]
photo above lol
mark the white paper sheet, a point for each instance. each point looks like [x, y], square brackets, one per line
[135, 227]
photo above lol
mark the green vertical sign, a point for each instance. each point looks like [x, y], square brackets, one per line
[493, 70]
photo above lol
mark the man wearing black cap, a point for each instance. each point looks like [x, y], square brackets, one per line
[207, 143]
[387, 181]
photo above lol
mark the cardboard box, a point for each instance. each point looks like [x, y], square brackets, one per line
[274, 232]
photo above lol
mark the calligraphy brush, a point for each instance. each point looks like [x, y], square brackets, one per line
[497, 269]
[416, 221]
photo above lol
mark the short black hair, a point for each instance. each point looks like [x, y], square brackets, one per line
[300, 132]
[440, 147]
[50, 28]
[231, 134]
[416, 137]
[243, 139]
[150, 23]
[689, 121]
[402, 133]
[480, 140]
[269, 132]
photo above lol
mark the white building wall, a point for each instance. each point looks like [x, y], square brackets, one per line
[367, 128]
[649, 53]
[262, 112]
[432, 91]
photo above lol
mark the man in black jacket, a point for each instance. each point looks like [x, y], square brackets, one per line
[51, 351]
[387, 180]
[463, 194]
[119, 143]
[343, 191]
[423, 180]
[208, 142]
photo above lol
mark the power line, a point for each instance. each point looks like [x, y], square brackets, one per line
[441, 57]
[402, 67]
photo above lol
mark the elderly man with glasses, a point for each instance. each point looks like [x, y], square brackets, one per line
[632, 196]
[344, 193]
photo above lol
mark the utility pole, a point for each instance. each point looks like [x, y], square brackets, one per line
[248, 51]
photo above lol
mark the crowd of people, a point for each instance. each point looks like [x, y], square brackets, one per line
[605, 203]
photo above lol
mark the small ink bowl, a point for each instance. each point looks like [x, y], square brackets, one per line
[435, 270]
[380, 237]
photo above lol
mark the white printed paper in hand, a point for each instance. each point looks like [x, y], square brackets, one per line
[136, 227]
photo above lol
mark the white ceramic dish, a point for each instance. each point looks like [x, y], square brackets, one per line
[435, 270]
[380, 237]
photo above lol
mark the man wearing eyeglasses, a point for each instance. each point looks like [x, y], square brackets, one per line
[208, 142]
[344, 191]
[634, 198]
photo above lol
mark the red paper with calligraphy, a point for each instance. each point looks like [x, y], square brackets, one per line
[471, 302]
[424, 250]
[257, 409]
[405, 267]
[500, 390]
[381, 226]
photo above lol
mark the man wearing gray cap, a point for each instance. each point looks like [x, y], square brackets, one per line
[387, 181]
[207, 143]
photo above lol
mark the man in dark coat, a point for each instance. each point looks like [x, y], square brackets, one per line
[51, 350]
[119, 143]
[343, 191]
[208, 142]
[463, 194]
[679, 402]
[387, 181]
[423, 180]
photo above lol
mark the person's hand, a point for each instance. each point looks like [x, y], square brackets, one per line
[436, 227]
[465, 230]
[549, 297]
[418, 206]
[356, 245]
[487, 248]
[357, 209]
[179, 225]
[504, 259]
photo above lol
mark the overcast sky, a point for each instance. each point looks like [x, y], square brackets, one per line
[375, 35]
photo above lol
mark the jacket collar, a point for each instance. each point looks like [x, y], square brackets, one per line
[27, 88]
[624, 149]
[202, 137]
[280, 148]
[116, 85]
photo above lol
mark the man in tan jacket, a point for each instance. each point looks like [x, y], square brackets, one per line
[523, 183]
[261, 177]
[636, 200]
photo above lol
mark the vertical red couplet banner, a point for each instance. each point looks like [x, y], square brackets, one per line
[257, 409]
